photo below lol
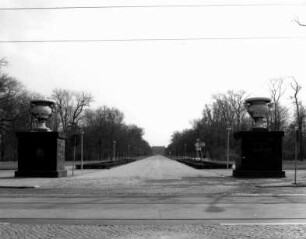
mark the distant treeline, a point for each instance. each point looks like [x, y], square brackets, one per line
[227, 114]
[73, 115]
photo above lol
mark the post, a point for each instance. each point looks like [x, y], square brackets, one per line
[227, 148]
[296, 152]
[74, 146]
[185, 151]
[82, 148]
[1, 147]
[114, 150]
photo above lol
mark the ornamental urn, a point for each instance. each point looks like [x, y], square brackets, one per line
[41, 111]
[258, 108]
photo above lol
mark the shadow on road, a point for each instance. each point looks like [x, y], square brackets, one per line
[213, 205]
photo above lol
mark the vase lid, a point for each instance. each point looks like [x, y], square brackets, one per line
[43, 100]
[254, 99]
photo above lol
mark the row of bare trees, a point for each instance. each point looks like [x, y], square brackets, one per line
[227, 112]
[73, 115]
[101, 127]
[13, 112]
[104, 126]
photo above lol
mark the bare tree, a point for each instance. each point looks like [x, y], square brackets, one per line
[279, 114]
[225, 109]
[14, 112]
[299, 115]
[231, 108]
[236, 100]
[70, 106]
[9, 92]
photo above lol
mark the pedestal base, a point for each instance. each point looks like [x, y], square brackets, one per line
[258, 174]
[260, 154]
[41, 154]
[41, 174]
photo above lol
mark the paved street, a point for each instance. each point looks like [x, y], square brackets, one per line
[152, 198]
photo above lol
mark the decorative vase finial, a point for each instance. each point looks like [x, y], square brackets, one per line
[41, 111]
[258, 108]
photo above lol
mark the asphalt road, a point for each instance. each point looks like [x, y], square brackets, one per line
[229, 209]
[153, 190]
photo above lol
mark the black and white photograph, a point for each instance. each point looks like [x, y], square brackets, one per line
[152, 119]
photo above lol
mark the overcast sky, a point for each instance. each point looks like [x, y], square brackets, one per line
[160, 85]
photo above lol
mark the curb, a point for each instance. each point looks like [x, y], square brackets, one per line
[298, 185]
[18, 187]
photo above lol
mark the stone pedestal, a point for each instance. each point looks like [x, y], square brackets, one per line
[41, 154]
[260, 154]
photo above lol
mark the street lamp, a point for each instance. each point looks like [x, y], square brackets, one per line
[296, 129]
[74, 148]
[114, 150]
[1, 147]
[82, 147]
[227, 148]
[76, 131]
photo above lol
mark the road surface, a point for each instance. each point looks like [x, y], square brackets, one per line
[155, 194]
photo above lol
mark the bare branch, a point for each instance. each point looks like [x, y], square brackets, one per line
[298, 22]
[70, 106]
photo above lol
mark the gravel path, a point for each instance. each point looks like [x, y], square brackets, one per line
[155, 176]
